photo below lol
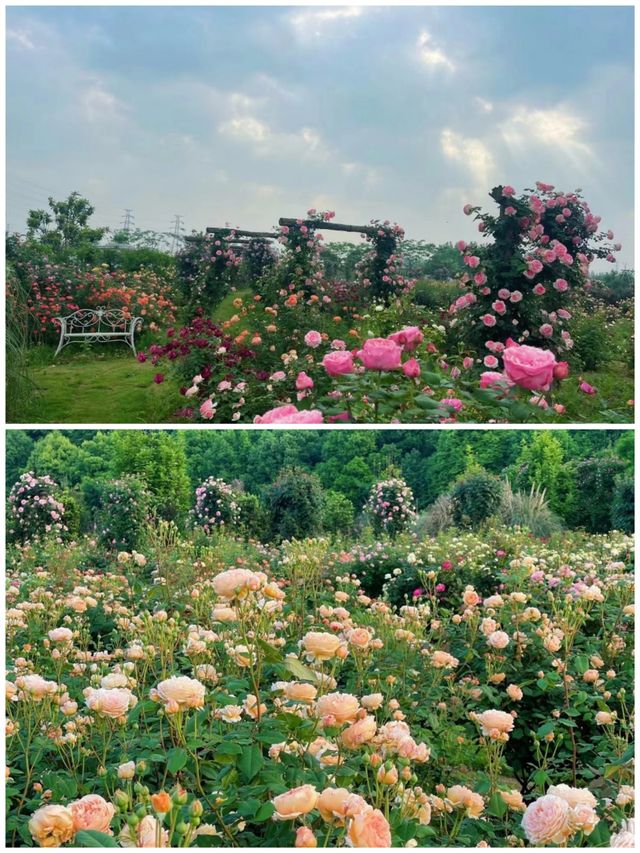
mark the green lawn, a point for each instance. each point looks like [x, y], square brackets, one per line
[98, 385]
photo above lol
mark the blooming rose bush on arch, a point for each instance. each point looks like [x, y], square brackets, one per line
[518, 286]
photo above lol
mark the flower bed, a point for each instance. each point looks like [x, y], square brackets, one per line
[236, 695]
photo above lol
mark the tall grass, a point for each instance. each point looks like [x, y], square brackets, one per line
[530, 510]
[19, 384]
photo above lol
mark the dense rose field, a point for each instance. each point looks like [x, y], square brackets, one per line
[212, 691]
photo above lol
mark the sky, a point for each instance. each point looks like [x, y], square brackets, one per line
[244, 114]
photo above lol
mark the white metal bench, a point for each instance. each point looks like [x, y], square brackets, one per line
[98, 325]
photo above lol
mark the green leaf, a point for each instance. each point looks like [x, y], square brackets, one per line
[250, 762]
[176, 759]
[497, 806]
[264, 813]
[299, 669]
[271, 654]
[92, 838]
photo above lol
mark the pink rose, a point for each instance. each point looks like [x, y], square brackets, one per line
[529, 367]
[380, 354]
[409, 337]
[289, 415]
[338, 362]
[561, 371]
[206, 410]
[546, 330]
[488, 319]
[313, 339]
[586, 388]
[303, 381]
[490, 378]
[411, 368]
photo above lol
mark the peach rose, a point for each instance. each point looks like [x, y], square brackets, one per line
[35, 687]
[305, 838]
[296, 802]
[61, 635]
[626, 836]
[362, 731]
[179, 693]
[52, 826]
[321, 645]
[547, 821]
[342, 706]
[573, 796]
[498, 640]
[529, 367]
[370, 828]
[236, 583]
[492, 721]
[443, 660]
[148, 833]
[514, 800]
[459, 796]
[332, 804]
[112, 703]
[372, 702]
[514, 692]
[298, 691]
[92, 812]
[583, 819]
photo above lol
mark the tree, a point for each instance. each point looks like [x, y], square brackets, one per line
[18, 447]
[70, 218]
[540, 464]
[58, 457]
[295, 502]
[158, 459]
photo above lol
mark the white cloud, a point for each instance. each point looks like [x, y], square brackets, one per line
[265, 140]
[368, 175]
[99, 106]
[313, 24]
[484, 105]
[21, 38]
[556, 127]
[472, 153]
[431, 54]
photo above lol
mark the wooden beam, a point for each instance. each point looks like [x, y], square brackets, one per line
[266, 235]
[330, 226]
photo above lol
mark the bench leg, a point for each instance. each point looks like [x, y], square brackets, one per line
[132, 344]
[60, 343]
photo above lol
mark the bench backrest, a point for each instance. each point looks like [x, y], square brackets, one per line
[93, 320]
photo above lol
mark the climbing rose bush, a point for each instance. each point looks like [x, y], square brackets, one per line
[518, 286]
[216, 505]
[390, 506]
[34, 509]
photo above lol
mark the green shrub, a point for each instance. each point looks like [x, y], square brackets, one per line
[295, 503]
[475, 498]
[435, 294]
[591, 341]
[338, 513]
[253, 518]
[622, 508]
[593, 491]
[72, 513]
